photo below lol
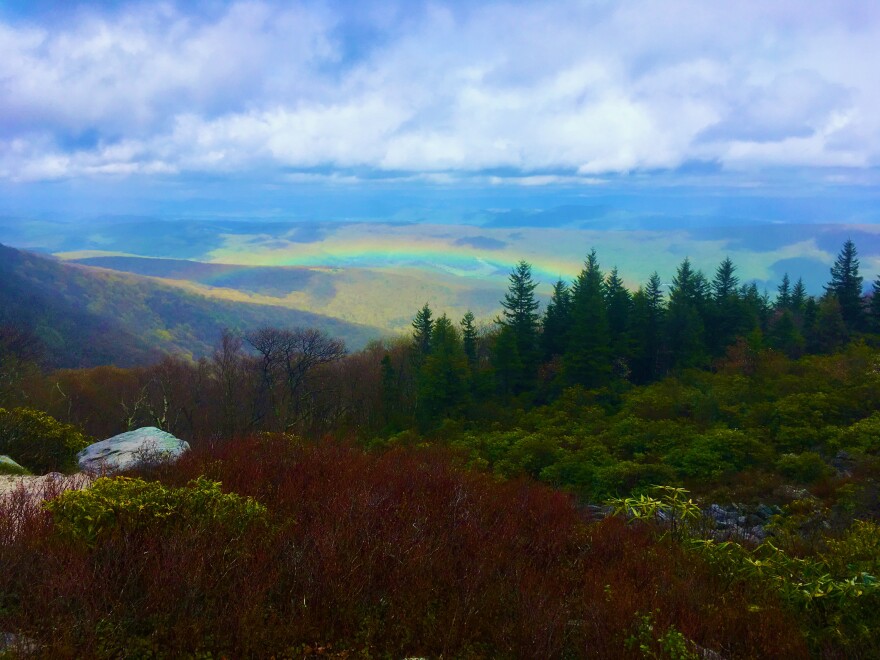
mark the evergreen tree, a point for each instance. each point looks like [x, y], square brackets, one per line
[506, 362]
[846, 285]
[654, 294]
[799, 296]
[684, 321]
[423, 325]
[519, 313]
[783, 294]
[784, 335]
[756, 308]
[645, 329]
[557, 319]
[586, 362]
[618, 302]
[443, 378]
[828, 332]
[725, 321]
[725, 284]
[469, 337]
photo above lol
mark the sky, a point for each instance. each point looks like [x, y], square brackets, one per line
[441, 111]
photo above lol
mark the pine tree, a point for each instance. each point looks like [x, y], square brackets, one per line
[519, 314]
[725, 284]
[783, 294]
[423, 326]
[784, 335]
[725, 320]
[587, 360]
[646, 325]
[654, 294]
[618, 302]
[506, 362]
[828, 332]
[469, 337]
[684, 322]
[799, 296]
[443, 377]
[756, 308]
[557, 319]
[846, 285]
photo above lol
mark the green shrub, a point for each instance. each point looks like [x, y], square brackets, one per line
[38, 441]
[804, 468]
[129, 505]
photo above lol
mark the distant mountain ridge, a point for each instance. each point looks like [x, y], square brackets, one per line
[87, 317]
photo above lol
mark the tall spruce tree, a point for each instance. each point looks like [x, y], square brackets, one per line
[557, 319]
[618, 302]
[519, 314]
[506, 362]
[846, 285]
[645, 330]
[444, 375]
[725, 320]
[587, 360]
[783, 294]
[828, 332]
[469, 337]
[423, 326]
[725, 284]
[685, 326]
[784, 335]
[799, 296]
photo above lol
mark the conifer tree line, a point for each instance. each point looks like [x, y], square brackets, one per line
[594, 332]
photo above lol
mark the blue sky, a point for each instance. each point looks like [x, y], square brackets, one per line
[441, 111]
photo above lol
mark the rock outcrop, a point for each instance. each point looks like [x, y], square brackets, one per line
[127, 450]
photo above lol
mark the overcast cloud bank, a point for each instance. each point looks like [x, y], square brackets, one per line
[533, 93]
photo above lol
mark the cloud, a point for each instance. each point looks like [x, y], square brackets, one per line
[550, 93]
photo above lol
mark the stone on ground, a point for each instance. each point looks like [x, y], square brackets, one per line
[126, 450]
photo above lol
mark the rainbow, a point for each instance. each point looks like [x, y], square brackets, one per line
[379, 248]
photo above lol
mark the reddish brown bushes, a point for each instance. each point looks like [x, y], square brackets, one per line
[400, 553]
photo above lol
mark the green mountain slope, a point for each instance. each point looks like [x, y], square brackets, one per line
[87, 316]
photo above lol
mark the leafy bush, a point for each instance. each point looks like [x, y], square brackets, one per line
[804, 468]
[835, 593]
[126, 505]
[38, 441]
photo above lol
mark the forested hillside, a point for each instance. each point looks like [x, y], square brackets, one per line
[85, 317]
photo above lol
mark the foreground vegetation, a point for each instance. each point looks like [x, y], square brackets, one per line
[391, 555]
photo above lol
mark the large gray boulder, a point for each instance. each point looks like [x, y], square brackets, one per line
[126, 450]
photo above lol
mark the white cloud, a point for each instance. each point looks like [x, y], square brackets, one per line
[543, 89]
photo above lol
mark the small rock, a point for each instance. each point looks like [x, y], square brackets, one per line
[789, 492]
[844, 463]
[127, 450]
